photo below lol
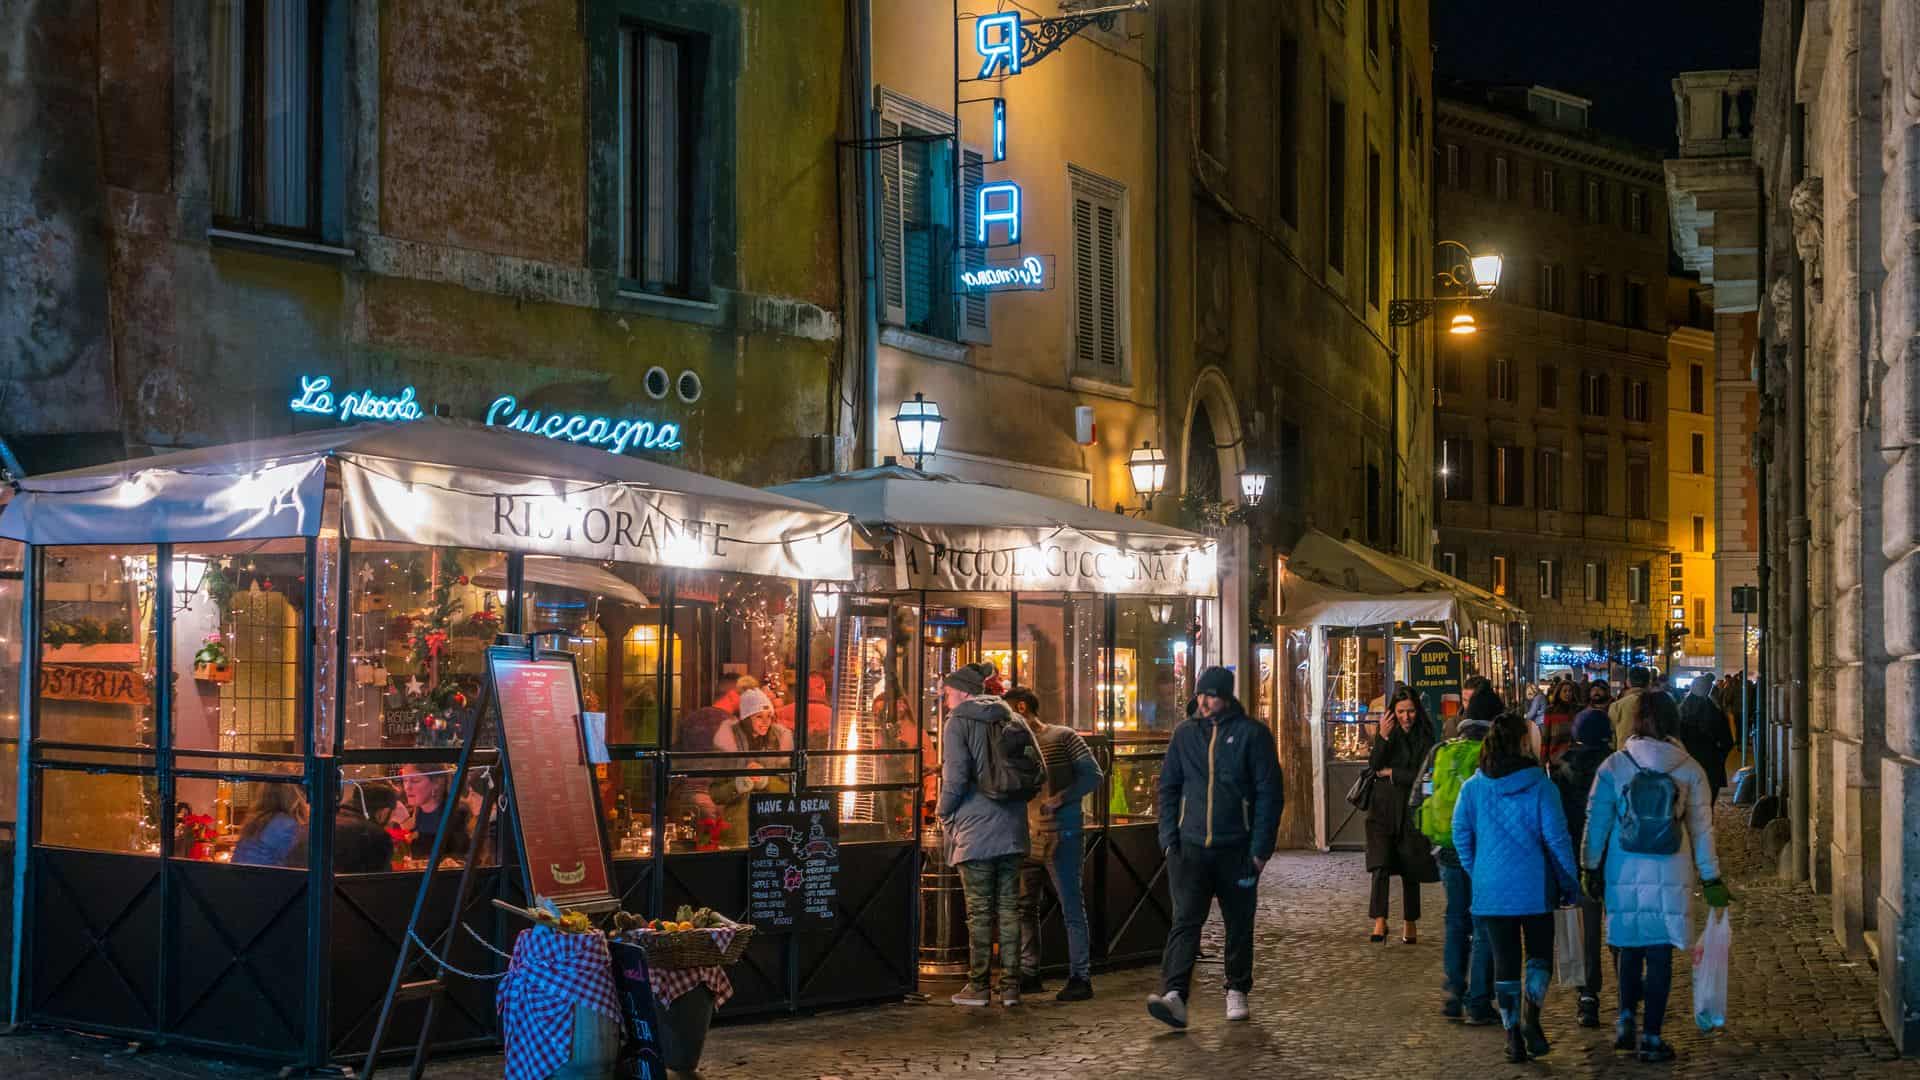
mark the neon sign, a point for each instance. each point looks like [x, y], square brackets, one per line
[1029, 273]
[316, 396]
[999, 129]
[1007, 194]
[1003, 52]
[617, 436]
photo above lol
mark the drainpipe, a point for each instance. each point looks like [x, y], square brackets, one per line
[869, 243]
[1399, 546]
[1799, 787]
[1162, 224]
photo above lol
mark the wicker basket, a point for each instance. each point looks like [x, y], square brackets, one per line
[681, 949]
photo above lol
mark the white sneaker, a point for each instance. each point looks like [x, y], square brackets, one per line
[1237, 1005]
[1168, 1009]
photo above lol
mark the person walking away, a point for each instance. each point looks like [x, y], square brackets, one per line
[1466, 956]
[985, 827]
[1537, 701]
[1057, 848]
[1649, 830]
[1621, 713]
[1395, 845]
[1219, 809]
[1705, 733]
[1513, 843]
[1573, 774]
[1556, 724]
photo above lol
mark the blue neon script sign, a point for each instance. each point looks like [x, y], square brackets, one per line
[617, 436]
[316, 396]
[997, 39]
[1029, 274]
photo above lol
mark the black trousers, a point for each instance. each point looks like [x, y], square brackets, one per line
[1591, 918]
[1507, 932]
[1382, 886]
[1197, 878]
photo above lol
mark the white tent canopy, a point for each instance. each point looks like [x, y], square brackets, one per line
[440, 483]
[962, 534]
[1330, 582]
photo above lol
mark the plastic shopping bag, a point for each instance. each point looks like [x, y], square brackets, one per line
[1569, 948]
[1710, 958]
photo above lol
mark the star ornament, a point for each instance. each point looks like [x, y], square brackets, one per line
[415, 687]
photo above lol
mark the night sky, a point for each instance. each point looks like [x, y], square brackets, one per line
[1623, 54]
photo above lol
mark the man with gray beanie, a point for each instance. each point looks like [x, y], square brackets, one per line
[1219, 813]
[986, 836]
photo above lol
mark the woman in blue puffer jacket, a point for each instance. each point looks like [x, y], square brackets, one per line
[1511, 835]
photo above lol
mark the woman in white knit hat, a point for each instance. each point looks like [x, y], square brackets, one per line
[754, 732]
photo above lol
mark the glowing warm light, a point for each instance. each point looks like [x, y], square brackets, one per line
[826, 600]
[1147, 468]
[1462, 324]
[1486, 273]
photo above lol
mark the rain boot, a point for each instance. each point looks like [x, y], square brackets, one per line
[1506, 996]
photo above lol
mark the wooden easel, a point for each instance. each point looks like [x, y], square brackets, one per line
[433, 986]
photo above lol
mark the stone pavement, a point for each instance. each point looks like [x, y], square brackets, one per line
[1327, 1004]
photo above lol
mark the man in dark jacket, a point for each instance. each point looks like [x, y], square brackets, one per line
[1705, 733]
[1573, 774]
[986, 837]
[1219, 812]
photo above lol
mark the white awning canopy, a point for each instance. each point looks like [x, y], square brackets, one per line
[951, 534]
[1330, 582]
[443, 483]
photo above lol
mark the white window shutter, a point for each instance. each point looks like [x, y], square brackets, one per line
[974, 322]
[893, 277]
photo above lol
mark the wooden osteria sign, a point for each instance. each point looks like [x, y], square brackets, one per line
[106, 685]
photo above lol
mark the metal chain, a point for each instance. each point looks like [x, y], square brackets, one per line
[436, 958]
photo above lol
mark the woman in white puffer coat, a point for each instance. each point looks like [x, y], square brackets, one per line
[1648, 897]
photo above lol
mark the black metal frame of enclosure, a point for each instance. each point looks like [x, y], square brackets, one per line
[289, 965]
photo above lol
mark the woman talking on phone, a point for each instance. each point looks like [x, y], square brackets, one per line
[1395, 845]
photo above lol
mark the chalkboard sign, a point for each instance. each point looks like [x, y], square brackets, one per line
[554, 797]
[793, 862]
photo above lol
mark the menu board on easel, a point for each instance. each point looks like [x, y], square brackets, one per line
[551, 779]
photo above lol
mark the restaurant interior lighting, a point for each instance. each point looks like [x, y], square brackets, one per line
[1253, 486]
[1161, 610]
[189, 573]
[1148, 469]
[826, 600]
[918, 423]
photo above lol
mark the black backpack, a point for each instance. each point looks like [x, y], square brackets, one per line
[1014, 770]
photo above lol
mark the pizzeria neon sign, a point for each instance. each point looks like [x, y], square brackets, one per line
[617, 436]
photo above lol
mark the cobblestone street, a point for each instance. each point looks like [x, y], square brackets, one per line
[1327, 1004]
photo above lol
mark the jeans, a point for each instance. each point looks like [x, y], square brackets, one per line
[1591, 919]
[1382, 888]
[993, 892]
[1055, 855]
[1467, 955]
[1196, 878]
[1646, 974]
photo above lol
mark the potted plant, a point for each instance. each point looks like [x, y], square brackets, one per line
[212, 663]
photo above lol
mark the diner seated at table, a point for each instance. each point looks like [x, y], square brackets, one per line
[701, 730]
[361, 843]
[819, 712]
[427, 810]
[273, 825]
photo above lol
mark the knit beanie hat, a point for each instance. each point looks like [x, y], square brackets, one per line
[1592, 728]
[754, 702]
[971, 678]
[1217, 681]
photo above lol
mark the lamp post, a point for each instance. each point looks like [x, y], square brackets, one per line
[1148, 469]
[1463, 279]
[1253, 486]
[918, 423]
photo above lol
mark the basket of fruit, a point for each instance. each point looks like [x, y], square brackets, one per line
[693, 938]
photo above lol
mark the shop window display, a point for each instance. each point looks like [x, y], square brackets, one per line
[736, 648]
[417, 629]
[1356, 689]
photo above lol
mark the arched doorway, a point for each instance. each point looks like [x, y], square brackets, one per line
[1215, 447]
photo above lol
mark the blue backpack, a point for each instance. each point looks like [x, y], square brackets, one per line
[1649, 812]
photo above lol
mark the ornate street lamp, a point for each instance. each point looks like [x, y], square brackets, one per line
[1253, 486]
[826, 600]
[1463, 278]
[1148, 468]
[918, 423]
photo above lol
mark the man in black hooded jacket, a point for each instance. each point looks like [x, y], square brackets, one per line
[1219, 810]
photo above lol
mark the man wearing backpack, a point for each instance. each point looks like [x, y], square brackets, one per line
[1219, 810]
[1467, 955]
[990, 769]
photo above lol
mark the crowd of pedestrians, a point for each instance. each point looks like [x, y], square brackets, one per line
[1584, 813]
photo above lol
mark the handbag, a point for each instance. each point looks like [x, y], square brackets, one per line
[1360, 795]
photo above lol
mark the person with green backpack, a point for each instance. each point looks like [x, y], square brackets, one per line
[1467, 953]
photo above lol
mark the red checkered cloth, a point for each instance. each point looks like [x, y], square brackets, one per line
[550, 974]
[670, 984]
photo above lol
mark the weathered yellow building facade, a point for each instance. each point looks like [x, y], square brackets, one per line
[1690, 471]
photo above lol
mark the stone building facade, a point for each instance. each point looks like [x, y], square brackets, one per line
[1552, 424]
[413, 194]
[1839, 167]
